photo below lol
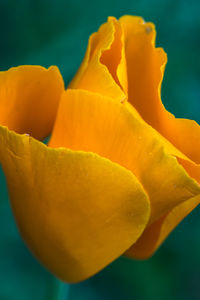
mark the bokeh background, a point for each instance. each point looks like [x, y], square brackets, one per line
[47, 32]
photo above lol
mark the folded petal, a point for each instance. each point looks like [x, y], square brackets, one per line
[29, 97]
[90, 122]
[192, 168]
[76, 211]
[145, 69]
[103, 69]
[156, 233]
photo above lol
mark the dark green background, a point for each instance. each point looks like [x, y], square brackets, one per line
[56, 32]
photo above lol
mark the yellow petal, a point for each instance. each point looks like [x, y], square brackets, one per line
[103, 69]
[145, 69]
[29, 97]
[76, 211]
[155, 234]
[90, 122]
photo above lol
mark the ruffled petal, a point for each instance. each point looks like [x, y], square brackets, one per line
[155, 234]
[103, 69]
[145, 68]
[90, 122]
[76, 211]
[29, 97]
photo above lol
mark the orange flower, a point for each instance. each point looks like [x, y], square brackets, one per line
[120, 171]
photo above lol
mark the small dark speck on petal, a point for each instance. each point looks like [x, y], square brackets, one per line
[148, 29]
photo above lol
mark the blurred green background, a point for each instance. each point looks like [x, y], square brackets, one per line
[50, 32]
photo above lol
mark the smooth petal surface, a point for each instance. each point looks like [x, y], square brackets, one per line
[156, 233]
[76, 211]
[90, 122]
[145, 68]
[103, 69]
[29, 97]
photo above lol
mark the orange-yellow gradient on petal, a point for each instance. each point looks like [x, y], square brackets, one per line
[119, 172]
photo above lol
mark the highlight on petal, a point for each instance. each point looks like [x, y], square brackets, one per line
[145, 69]
[29, 97]
[90, 122]
[76, 211]
[156, 233]
[103, 69]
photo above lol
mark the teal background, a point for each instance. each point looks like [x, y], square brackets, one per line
[56, 32]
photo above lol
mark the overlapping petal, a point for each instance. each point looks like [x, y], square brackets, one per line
[29, 98]
[145, 67]
[90, 122]
[76, 211]
[156, 233]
